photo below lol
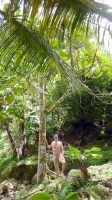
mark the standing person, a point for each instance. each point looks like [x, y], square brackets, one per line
[58, 154]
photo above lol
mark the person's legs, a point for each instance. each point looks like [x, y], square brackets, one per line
[56, 165]
[63, 168]
[62, 161]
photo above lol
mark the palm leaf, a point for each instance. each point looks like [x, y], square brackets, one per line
[74, 15]
[64, 14]
[32, 48]
[35, 53]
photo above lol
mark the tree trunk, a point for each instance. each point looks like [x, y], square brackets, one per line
[41, 170]
[22, 148]
[14, 150]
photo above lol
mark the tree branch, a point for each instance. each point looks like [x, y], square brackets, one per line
[12, 142]
[58, 102]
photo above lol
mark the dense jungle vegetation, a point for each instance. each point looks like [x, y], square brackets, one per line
[55, 77]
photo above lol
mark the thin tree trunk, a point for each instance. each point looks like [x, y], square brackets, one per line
[71, 54]
[41, 170]
[22, 148]
[13, 145]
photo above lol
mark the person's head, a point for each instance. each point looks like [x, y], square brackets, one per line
[55, 137]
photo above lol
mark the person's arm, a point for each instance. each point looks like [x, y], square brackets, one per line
[48, 146]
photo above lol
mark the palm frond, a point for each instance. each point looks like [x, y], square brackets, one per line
[74, 15]
[64, 14]
[29, 49]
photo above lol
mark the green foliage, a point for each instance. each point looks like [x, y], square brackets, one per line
[20, 194]
[106, 154]
[25, 53]
[19, 90]
[93, 156]
[7, 162]
[65, 189]
[41, 196]
[98, 157]
[92, 150]
[63, 16]
[73, 196]
[90, 188]
[32, 126]
[73, 152]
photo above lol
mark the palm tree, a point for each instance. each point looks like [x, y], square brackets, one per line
[22, 34]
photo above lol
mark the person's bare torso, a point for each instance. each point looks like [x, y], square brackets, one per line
[56, 148]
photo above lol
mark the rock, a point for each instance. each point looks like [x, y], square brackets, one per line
[10, 184]
[3, 189]
[8, 189]
[23, 172]
[77, 177]
[100, 173]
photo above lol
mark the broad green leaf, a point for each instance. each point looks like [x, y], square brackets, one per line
[73, 149]
[92, 150]
[73, 196]
[96, 156]
[40, 196]
[73, 152]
